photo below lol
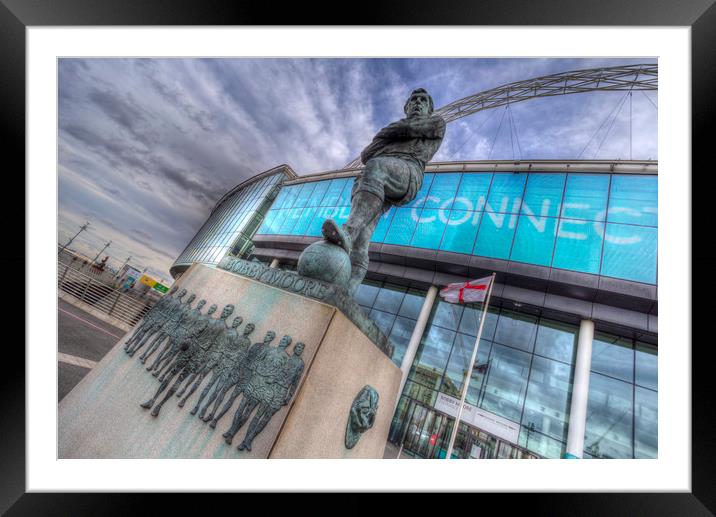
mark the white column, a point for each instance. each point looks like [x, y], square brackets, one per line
[415, 338]
[274, 263]
[580, 391]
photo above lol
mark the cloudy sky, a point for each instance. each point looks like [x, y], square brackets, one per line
[147, 146]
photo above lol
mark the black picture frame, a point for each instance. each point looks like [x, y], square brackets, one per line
[699, 15]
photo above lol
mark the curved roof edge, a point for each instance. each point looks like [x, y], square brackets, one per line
[286, 169]
[591, 166]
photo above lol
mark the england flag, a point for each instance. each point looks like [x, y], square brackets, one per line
[467, 292]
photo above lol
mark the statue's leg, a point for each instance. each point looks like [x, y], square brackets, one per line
[234, 394]
[217, 397]
[168, 348]
[256, 426]
[203, 395]
[152, 347]
[172, 390]
[194, 386]
[240, 418]
[161, 388]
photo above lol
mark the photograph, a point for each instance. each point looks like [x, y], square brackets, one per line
[389, 258]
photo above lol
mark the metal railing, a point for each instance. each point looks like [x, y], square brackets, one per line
[101, 296]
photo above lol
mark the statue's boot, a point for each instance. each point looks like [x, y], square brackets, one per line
[336, 234]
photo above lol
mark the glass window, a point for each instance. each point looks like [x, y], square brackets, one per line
[267, 222]
[609, 418]
[446, 315]
[402, 227]
[280, 198]
[314, 229]
[304, 220]
[459, 363]
[345, 197]
[516, 330]
[646, 423]
[419, 200]
[278, 221]
[318, 193]
[534, 240]
[367, 293]
[586, 197]
[429, 230]
[556, 340]
[579, 246]
[541, 444]
[633, 200]
[543, 195]
[442, 190]
[646, 366]
[389, 298]
[382, 227]
[460, 232]
[333, 192]
[384, 320]
[469, 324]
[479, 371]
[412, 303]
[495, 236]
[304, 195]
[432, 356]
[289, 222]
[400, 337]
[472, 192]
[506, 382]
[341, 215]
[630, 253]
[506, 192]
[548, 398]
[613, 356]
[291, 195]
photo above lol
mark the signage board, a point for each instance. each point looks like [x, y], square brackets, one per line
[160, 287]
[489, 422]
[147, 281]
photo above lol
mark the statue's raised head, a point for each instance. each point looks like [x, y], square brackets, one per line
[419, 103]
[237, 321]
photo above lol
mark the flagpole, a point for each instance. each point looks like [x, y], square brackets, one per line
[466, 384]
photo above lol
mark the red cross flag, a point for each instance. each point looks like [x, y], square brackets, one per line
[466, 292]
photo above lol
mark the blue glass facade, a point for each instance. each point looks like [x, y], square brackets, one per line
[603, 224]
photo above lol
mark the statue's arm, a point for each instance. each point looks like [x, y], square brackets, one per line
[404, 129]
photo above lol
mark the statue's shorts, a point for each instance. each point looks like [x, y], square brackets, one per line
[394, 179]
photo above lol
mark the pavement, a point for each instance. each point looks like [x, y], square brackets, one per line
[82, 341]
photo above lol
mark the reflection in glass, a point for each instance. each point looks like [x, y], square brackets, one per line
[613, 356]
[609, 418]
[556, 340]
[400, 337]
[446, 315]
[647, 366]
[646, 423]
[516, 330]
[431, 357]
[548, 398]
[390, 298]
[506, 382]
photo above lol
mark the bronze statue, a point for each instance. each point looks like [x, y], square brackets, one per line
[226, 374]
[362, 415]
[393, 174]
[279, 395]
[149, 319]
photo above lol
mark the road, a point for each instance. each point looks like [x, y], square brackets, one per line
[82, 341]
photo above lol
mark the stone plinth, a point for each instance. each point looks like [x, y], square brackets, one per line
[102, 418]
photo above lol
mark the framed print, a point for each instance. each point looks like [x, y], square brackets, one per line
[41, 44]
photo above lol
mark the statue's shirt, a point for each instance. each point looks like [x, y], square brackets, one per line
[416, 138]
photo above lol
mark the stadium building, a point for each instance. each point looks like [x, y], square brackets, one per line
[567, 362]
